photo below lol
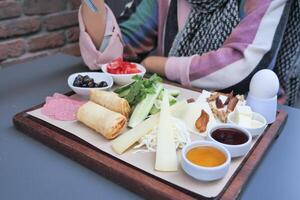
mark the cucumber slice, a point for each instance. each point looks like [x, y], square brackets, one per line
[143, 108]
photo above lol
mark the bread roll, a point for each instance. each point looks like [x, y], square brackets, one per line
[110, 101]
[106, 122]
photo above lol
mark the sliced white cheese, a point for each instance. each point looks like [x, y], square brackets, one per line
[244, 121]
[166, 157]
[244, 116]
[193, 112]
[127, 139]
[256, 124]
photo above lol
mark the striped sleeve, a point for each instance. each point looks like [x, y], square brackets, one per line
[251, 46]
[139, 24]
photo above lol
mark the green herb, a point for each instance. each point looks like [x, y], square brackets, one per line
[139, 89]
[143, 108]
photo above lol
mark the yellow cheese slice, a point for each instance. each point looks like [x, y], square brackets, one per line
[166, 157]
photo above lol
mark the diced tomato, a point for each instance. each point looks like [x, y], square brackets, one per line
[112, 70]
[132, 66]
[119, 66]
[132, 71]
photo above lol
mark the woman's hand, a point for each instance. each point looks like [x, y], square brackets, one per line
[95, 22]
[155, 64]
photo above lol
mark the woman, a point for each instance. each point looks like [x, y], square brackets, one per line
[211, 44]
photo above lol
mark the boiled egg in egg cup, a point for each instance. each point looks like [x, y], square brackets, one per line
[262, 97]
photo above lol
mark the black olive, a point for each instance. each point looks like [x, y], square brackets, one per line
[103, 84]
[86, 79]
[84, 85]
[79, 78]
[76, 83]
[91, 84]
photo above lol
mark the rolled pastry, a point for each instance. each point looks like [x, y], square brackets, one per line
[110, 101]
[106, 122]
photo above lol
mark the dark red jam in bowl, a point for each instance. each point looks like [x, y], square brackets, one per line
[230, 136]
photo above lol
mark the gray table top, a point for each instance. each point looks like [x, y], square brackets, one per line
[30, 170]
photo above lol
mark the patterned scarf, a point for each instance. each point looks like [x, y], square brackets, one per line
[208, 26]
[286, 67]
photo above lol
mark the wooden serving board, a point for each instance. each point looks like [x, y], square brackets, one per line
[134, 179]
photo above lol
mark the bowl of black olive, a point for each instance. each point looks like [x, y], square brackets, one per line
[81, 83]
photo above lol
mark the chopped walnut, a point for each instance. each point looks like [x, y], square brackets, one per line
[219, 103]
[229, 97]
[232, 104]
[213, 96]
[220, 114]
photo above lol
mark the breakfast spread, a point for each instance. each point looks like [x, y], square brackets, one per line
[145, 116]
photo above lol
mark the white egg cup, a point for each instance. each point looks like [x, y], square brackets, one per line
[265, 107]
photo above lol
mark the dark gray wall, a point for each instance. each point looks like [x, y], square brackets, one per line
[116, 5]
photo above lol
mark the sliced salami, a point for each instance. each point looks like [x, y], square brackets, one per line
[61, 107]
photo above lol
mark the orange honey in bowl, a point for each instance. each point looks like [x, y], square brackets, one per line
[206, 156]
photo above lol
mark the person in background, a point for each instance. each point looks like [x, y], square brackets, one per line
[210, 44]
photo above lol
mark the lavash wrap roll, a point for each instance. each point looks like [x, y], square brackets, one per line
[106, 122]
[110, 101]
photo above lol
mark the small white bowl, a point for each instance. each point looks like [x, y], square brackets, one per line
[97, 76]
[205, 173]
[124, 79]
[234, 150]
[255, 131]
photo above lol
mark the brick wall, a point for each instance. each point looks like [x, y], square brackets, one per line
[33, 28]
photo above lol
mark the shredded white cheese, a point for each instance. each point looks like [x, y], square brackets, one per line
[181, 137]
